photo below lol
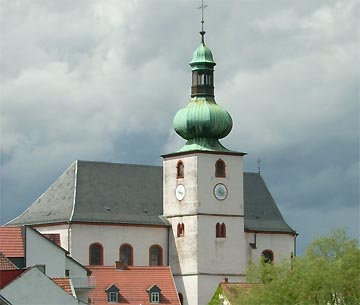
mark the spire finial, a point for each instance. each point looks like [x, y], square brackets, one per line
[259, 163]
[202, 33]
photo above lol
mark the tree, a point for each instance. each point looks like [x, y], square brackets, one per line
[328, 274]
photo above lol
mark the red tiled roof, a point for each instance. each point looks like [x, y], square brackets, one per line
[133, 283]
[64, 283]
[54, 237]
[7, 276]
[5, 263]
[233, 290]
[11, 242]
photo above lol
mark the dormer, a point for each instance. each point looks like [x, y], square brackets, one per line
[154, 294]
[113, 294]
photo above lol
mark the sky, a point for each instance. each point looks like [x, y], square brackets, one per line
[102, 80]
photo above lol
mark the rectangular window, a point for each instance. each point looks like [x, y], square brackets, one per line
[113, 297]
[155, 297]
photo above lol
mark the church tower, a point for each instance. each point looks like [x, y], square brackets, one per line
[203, 192]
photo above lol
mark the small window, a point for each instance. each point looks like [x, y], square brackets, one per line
[220, 169]
[154, 294]
[180, 230]
[113, 297]
[126, 254]
[267, 256]
[220, 230]
[113, 294]
[180, 170]
[95, 254]
[154, 297]
[155, 255]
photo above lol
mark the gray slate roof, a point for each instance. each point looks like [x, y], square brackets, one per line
[261, 211]
[133, 194]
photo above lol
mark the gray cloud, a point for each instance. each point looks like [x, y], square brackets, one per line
[102, 80]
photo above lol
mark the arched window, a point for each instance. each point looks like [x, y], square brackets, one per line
[126, 254]
[96, 254]
[268, 256]
[220, 169]
[180, 230]
[180, 170]
[155, 256]
[220, 230]
[223, 230]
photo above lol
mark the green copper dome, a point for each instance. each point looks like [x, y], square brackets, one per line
[202, 56]
[202, 122]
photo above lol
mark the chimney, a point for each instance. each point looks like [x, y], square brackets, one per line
[226, 280]
[119, 265]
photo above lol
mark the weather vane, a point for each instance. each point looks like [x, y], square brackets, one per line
[259, 163]
[202, 7]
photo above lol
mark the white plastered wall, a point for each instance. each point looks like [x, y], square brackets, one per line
[282, 245]
[41, 251]
[112, 237]
[63, 230]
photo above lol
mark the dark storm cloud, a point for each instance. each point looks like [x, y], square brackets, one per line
[102, 80]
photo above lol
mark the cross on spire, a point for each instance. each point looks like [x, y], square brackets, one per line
[259, 163]
[202, 33]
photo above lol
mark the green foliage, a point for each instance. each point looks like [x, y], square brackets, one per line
[328, 274]
[215, 299]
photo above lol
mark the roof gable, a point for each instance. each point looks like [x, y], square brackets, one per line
[55, 204]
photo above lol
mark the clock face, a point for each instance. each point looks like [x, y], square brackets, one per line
[220, 191]
[180, 192]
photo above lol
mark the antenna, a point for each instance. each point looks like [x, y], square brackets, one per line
[202, 33]
[259, 163]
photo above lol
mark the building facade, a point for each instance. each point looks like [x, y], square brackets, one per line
[199, 213]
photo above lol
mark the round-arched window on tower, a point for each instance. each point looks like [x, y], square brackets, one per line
[180, 170]
[220, 169]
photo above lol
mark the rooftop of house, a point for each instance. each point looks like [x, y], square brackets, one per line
[65, 284]
[11, 241]
[104, 192]
[134, 284]
[53, 237]
[5, 263]
[231, 292]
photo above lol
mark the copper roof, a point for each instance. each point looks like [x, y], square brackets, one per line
[11, 242]
[133, 283]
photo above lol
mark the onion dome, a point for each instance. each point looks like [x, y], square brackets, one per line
[202, 122]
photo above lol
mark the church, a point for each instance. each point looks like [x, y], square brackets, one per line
[199, 213]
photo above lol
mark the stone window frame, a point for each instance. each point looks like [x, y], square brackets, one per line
[101, 250]
[160, 258]
[131, 258]
[220, 169]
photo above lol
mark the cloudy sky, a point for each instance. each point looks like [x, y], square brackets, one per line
[102, 80]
